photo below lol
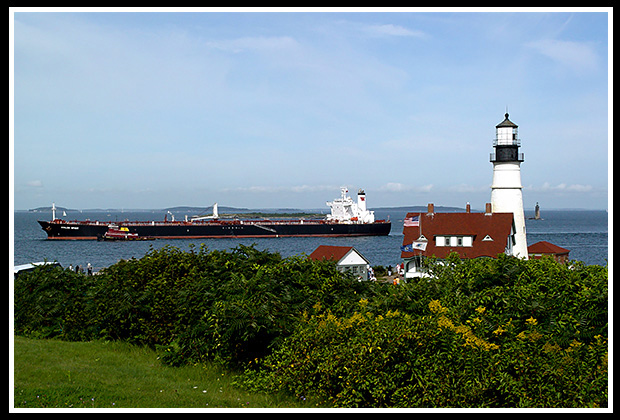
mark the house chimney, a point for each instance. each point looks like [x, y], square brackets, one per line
[467, 208]
[487, 210]
[431, 208]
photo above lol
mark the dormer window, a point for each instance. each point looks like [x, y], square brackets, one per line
[454, 240]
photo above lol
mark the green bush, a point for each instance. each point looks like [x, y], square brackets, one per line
[498, 332]
[398, 360]
[239, 316]
[194, 306]
[482, 333]
[52, 302]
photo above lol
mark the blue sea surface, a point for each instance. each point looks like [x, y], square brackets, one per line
[583, 232]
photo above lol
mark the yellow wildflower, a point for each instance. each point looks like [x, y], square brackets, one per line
[575, 344]
[466, 333]
[392, 314]
[499, 331]
[531, 320]
[535, 335]
[357, 318]
[444, 322]
[551, 348]
[435, 306]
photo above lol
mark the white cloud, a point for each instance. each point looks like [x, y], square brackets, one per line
[399, 187]
[37, 183]
[261, 189]
[465, 188]
[312, 188]
[393, 30]
[562, 187]
[578, 56]
[258, 43]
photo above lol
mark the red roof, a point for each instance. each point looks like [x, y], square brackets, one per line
[329, 252]
[544, 247]
[495, 226]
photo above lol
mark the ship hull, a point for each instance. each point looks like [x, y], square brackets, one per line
[76, 230]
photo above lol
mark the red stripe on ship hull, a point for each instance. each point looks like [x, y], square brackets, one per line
[327, 235]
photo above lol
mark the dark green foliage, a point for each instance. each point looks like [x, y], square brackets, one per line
[481, 333]
[52, 302]
[195, 306]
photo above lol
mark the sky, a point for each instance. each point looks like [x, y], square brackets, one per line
[154, 109]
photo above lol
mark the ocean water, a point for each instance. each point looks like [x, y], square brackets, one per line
[583, 232]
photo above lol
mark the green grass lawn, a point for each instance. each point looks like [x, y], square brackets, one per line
[51, 373]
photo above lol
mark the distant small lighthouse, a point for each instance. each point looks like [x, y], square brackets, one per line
[506, 194]
[537, 212]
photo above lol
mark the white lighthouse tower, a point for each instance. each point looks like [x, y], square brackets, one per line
[506, 194]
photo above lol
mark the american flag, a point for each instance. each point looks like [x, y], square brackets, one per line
[412, 221]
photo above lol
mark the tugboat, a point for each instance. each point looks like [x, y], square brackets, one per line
[347, 218]
[115, 233]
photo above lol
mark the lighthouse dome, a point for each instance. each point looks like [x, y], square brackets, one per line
[506, 122]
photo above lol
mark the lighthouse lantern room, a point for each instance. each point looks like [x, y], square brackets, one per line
[506, 194]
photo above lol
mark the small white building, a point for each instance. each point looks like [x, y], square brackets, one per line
[24, 268]
[347, 259]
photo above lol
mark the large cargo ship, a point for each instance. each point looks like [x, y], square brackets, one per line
[347, 218]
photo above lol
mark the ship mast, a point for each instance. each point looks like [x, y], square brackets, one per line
[215, 215]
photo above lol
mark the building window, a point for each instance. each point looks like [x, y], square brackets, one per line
[454, 241]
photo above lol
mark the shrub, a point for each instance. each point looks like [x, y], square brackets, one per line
[397, 360]
[481, 333]
[52, 302]
[195, 306]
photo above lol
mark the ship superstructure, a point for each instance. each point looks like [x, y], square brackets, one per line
[345, 210]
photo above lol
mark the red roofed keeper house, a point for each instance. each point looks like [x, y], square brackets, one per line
[471, 235]
[347, 259]
[537, 250]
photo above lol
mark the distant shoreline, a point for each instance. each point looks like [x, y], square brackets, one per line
[204, 210]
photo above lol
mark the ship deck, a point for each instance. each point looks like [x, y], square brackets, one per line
[215, 222]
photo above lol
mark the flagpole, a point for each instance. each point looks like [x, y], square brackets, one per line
[420, 221]
[420, 224]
